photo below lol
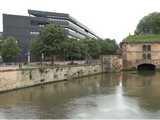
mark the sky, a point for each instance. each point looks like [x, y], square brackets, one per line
[114, 19]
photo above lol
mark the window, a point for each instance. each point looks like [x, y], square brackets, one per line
[38, 23]
[41, 25]
[144, 56]
[149, 56]
[149, 48]
[34, 33]
[146, 47]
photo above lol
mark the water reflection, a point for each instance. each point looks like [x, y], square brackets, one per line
[118, 95]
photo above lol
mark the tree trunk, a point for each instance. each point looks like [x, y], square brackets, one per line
[52, 59]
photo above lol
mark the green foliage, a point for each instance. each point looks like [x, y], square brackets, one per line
[36, 47]
[88, 48]
[108, 46]
[0, 46]
[149, 24]
[52, 41]
[51, 38]
[9, 49]
[93, 48]
[143, 38]
[72, 49]
[84, 49]
[49, 41]
[1, 40]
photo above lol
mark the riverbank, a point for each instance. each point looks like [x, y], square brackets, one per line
[16, 77]
[13, 79]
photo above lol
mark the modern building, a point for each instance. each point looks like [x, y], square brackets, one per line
[1, 33]
[141, 52]
[24, 28]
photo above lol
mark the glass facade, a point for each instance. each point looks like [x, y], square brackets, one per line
[26, 28]
[72, 27]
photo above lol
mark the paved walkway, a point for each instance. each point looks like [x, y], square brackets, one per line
[8, 67]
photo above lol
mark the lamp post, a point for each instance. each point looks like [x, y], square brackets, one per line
[42, 57]
[28, 57]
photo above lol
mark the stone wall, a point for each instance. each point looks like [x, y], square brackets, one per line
[112, 63]
[15, 79]
[132, 53]
[20, 78]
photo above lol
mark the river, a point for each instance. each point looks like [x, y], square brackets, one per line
[116, 95]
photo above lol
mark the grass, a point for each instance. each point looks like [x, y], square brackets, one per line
[143, 38]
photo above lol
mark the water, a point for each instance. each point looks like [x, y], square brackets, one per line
[118, 95]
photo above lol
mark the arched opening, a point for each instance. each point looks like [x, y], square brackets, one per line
[146, 67]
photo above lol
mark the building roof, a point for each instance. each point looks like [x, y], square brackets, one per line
[150, 38]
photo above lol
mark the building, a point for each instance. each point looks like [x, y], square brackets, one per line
[1, 34]
[141, 51]
[24, 28]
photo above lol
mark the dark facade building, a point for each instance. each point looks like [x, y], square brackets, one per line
[24, 28]
[1, 34]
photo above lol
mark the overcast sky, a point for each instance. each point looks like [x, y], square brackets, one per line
[107, 18]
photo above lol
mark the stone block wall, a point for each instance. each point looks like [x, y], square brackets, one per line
[133, 53]
[112, 63]
[15, 79]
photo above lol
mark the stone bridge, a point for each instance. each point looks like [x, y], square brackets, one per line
[150, 63]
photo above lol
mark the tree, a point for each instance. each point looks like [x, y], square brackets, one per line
[0, 45]
[72, 49]
[36, 47]
[108, 46]
[88, 48]
[93, 46]
[149, 24]
[52, 41]
[84, 49]
[1, 40]
[9, 49]
[0, 49]
[49, 42]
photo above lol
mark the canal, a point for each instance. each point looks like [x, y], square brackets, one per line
[117, 95]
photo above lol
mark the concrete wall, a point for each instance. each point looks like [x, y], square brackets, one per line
[14, 79]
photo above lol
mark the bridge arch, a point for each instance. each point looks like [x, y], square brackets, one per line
[146, 66]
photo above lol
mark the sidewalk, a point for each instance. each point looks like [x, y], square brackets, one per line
[8, 67]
